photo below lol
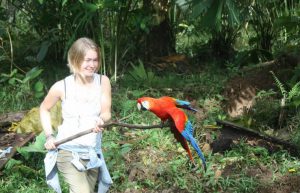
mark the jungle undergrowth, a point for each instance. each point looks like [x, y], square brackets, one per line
[152, 161]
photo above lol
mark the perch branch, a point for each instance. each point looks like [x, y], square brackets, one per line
[113, 123]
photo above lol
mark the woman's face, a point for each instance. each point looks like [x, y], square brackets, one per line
[90, 64]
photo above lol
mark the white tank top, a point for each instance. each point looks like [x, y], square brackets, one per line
[80, 111]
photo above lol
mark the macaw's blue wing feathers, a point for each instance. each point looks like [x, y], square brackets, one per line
[185, 105]
[188, 135]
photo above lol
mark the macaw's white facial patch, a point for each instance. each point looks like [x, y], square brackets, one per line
[143, 105]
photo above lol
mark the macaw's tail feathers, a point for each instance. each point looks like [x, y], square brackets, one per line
[199, 152]
[194, 144]
[185, 105]
[183, 142]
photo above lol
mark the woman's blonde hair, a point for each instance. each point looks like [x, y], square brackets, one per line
[78, 51]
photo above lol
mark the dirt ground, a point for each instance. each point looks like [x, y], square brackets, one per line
[288, 183]
[240, 91]
[285, 184]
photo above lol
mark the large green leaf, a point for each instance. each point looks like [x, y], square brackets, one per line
[233, 13]
[213, 16]
[43, 51]
[64, 2]
[90, 7]
[36, 146]
[289, 22]
[33, 73]
[38, 86]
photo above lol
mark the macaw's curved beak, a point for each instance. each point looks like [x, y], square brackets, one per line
[139, 106]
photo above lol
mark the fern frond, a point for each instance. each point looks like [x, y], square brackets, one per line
[280, 85]
[295, 91]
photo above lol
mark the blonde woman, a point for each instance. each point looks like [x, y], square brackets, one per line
[86, 103]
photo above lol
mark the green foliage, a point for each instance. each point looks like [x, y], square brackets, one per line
[295, 77]
[260, 115]
[200, 85]
[213, 108]
[291, 97]
[242, 184]
[11, 163]
[151, 160]
[223, 20]
[18, 86]
[280, 86]
[36, 146]
[141, 76]
[294, 94]
[24, 176]
[251, 56]
[24, 83]
[124, 104]
[294, 127]
[274, 20]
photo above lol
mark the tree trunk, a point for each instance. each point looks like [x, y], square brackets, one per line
[160, 41]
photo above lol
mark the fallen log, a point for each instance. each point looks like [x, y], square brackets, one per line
[285, 144]
[260, 65]
[7, 118]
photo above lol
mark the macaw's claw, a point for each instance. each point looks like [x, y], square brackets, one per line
[194, 167]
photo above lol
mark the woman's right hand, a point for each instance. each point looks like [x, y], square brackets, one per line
[49, 145]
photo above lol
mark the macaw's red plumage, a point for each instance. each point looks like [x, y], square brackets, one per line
[168, 108]
[160, 105]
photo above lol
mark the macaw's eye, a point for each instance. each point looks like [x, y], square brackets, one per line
[145, 105]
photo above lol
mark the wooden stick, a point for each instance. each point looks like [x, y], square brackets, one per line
[113, 123]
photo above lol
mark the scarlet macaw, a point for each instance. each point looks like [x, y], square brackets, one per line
[166, 108]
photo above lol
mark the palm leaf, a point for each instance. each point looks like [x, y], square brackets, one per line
[233, 13]
[213, 16]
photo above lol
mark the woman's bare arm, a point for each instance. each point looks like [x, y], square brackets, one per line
[55, 93]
